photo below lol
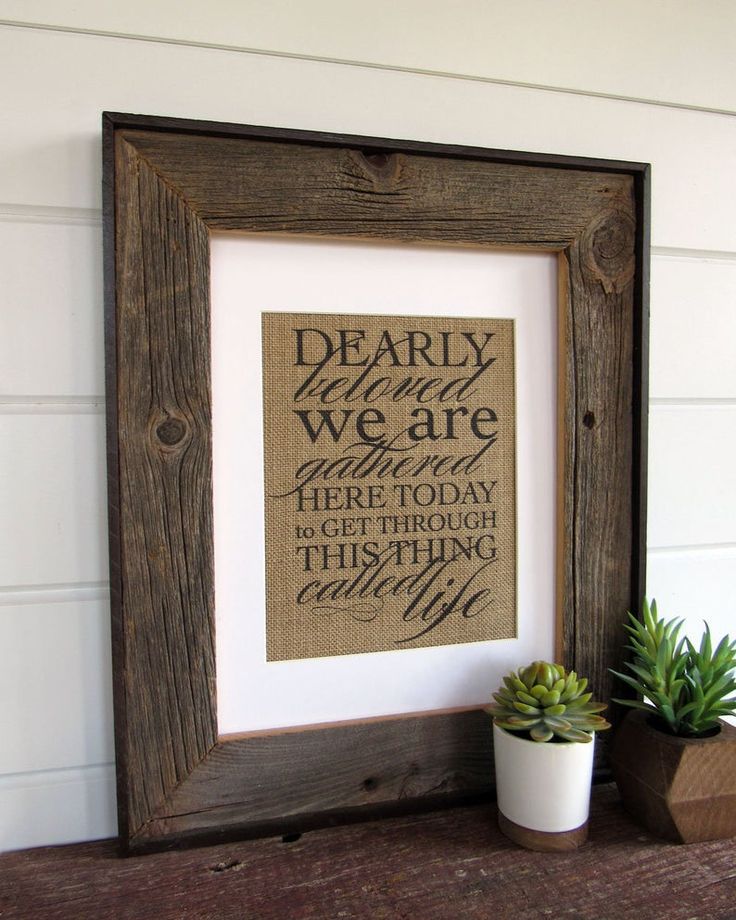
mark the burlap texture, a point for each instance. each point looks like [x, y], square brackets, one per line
[390, 521]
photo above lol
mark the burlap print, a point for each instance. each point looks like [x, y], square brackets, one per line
[389, 454]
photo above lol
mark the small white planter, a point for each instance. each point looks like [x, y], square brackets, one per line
[543, 790]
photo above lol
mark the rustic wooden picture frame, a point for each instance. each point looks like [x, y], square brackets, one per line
[167, 184]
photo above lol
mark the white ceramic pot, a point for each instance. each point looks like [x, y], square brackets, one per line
[543, 786]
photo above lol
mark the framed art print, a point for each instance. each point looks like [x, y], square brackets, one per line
[376, 415]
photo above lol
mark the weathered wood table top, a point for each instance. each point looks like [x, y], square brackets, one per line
[446, 864]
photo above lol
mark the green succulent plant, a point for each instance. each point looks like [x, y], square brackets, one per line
[688, 688]
[548, 702]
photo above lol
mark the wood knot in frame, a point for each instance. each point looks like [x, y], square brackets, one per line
[169, 432]
[608, 250]
[377, 170]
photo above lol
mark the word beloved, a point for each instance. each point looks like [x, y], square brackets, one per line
[350, 348]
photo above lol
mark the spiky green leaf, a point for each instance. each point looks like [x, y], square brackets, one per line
[687, 685]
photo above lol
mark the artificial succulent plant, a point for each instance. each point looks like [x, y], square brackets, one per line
[549, 703]
[687, 688]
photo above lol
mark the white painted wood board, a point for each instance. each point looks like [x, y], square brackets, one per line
[697, 585]
[692, 483]
[680, 53]
[63, 806]
[53, 500]
[693, 328]
[55, 684]
[51, 310]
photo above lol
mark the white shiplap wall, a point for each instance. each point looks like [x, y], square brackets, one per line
[582, 81]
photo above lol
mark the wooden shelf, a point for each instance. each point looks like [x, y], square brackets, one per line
[450, 864]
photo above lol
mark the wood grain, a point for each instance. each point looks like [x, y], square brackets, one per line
[282, 778]
[543, 841]
[682, 789]
[168, 184]
[261, 186]
[449, 864]
[164, 455]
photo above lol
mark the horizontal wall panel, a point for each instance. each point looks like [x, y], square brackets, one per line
[55, 159]
[51, 311]
[52, 316]
[692, 459]
[693, 328]
[55, 684]
[696, 585]
[68, 806]
[628, 48]
[52, 499]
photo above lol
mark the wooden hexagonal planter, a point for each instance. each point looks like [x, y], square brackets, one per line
[683, 789]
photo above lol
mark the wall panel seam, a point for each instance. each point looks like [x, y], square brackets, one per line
[346, 62]
[11, 212]
[51, 405]
[701, 549]
[43, 214]
[57, 776]
[22, 595]
[688, 402]
[677, 252]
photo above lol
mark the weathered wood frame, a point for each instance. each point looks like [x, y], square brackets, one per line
[167, 183]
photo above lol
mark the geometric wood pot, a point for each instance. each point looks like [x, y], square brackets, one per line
[683, 789]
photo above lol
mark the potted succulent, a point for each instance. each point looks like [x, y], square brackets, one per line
[674, 758]
[543, 725]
